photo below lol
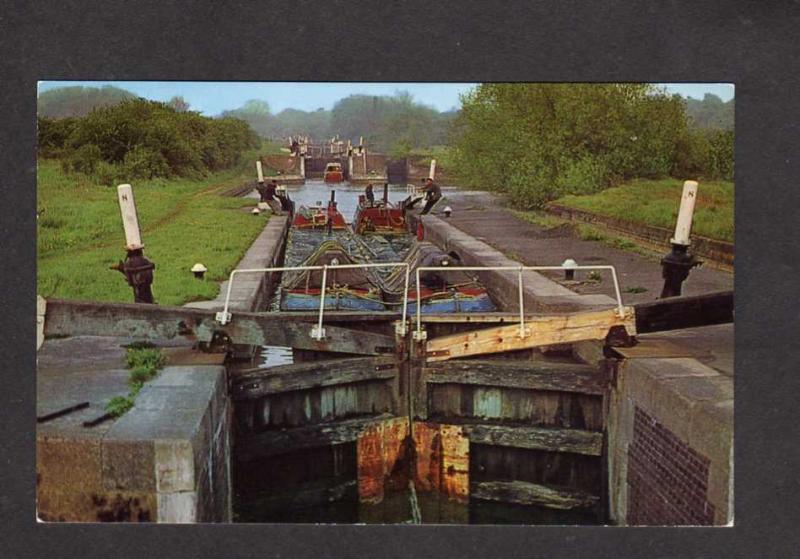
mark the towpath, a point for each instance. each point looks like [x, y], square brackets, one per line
[486, 217]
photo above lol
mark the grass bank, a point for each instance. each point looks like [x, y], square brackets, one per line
[656, 202]
[80, 235]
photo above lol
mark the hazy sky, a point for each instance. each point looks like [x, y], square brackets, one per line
[211, 98]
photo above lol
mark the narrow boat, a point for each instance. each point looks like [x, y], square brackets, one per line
[380, 216]
[439, 291]
[334, 173]
[319, 217]
[345, 289]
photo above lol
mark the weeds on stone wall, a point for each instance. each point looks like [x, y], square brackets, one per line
[144, 363]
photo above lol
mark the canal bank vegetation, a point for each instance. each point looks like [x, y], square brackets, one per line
[144, 362]
[540, 142]
[183, 221]
[138, 139]
[655, 202]
[179, 163]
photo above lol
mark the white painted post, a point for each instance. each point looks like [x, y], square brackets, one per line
[259, 171]
[684, 223]
[41, 309]
[361, 140]
[130, 221]
[303, 166]
[432, 172]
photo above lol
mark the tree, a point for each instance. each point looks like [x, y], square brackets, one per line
[179, 104]
[540, 141]
[711, 112]
[145, 139]
[79, 100]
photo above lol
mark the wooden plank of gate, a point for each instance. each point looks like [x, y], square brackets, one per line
[252, 384]
[157, 322]
[455, 462]
[532, 375]
[427, 445]
[540, 331]
[379, 448]
[551, 439]
[370, 464]
[395, 470]
[526, 493]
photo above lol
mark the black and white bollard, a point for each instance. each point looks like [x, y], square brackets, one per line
[677, 264]
[569, 266]
[137, 269]
[199, 270]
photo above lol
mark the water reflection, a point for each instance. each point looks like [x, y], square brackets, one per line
[272, 356]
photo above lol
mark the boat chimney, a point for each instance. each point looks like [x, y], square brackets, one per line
[385, 193]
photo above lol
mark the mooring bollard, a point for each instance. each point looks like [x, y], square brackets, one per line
[137, 269]
[677, 264]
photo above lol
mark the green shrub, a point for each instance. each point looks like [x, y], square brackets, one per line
[586, 175]
[84, 159]
[145, 139]
[140, 375]
[144, 163]
[119, 405]
[540, 141]
[107, 174]
[148, 357]
[144, 363]
[52, 135]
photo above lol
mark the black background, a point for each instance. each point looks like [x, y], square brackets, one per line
[751, 44]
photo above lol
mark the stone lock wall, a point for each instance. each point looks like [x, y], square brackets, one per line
[166, 460]
[670, 428]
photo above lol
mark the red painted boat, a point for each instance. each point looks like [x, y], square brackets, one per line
[381, 217]
[317, 217]
[334, 173]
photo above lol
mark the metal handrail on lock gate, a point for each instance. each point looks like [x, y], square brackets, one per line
[419, 334]
[318, 332]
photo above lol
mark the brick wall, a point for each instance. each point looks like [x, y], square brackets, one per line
[667, 479]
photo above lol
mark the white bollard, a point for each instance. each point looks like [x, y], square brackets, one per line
[259, 171]
[130, 221]
[684, 224]
[432, 172]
